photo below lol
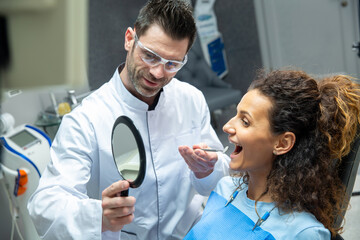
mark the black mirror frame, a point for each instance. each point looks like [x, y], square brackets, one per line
[140, 144]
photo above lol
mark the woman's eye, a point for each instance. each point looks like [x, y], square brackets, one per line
[245, 122]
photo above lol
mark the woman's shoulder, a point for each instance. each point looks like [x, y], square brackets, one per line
[298, 225]
[307, 225]
[314, 232]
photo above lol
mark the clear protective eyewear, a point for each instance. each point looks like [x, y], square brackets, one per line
[153, 59]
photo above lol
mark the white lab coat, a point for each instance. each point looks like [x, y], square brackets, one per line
[67, 203]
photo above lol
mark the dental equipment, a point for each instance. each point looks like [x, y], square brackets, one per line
[215, 150]
[25, 154]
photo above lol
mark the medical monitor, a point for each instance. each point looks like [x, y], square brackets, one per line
[24, 139]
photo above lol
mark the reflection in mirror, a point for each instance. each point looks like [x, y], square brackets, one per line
[128, 152]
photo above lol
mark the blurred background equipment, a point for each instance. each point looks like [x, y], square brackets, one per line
[210, 37]
[43, 44]
[25, 154]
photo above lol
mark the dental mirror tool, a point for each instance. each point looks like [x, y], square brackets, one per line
[215, 150]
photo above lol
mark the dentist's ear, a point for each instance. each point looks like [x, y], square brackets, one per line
[285, 143]
[129, 37]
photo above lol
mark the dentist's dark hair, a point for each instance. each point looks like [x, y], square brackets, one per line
[324, 115]
[175, 17]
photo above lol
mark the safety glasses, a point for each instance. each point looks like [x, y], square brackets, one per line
[153, 59]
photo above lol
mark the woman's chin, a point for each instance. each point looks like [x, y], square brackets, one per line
[233, 166]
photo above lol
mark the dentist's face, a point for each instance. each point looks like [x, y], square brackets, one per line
[250, 131]
[146, 81]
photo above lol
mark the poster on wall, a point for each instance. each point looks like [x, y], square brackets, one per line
[210, 38]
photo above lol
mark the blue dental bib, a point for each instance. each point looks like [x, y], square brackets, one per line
[220, 222]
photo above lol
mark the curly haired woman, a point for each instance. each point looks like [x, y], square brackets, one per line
[288, 132]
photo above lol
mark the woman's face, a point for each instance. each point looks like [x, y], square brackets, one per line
[249, 130]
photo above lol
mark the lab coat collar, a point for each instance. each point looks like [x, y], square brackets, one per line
[123, 95]
[130, 99]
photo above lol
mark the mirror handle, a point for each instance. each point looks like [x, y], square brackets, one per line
[124, 193]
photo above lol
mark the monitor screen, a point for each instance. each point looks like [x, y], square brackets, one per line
[23, 138]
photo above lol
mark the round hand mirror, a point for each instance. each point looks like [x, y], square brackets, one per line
[128, 152]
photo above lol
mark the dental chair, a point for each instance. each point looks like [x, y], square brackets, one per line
[348, 169]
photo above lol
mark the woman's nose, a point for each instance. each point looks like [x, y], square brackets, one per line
[228, 128]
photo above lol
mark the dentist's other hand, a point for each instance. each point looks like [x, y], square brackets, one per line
[200, 162]
[117, 211]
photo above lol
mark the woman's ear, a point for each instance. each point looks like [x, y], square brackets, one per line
[285, 143]
[129, 38]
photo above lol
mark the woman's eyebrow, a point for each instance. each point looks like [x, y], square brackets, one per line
[245, 113]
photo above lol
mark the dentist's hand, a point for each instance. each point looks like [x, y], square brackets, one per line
[200, 162]
[117, 211]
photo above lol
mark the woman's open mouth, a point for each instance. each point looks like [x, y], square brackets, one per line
[237, 150]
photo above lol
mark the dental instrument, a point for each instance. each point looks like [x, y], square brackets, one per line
[215, 150]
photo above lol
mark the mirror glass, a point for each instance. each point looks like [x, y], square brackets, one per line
[128, 151]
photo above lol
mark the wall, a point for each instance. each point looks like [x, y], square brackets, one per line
[320, 43]
[108, 22]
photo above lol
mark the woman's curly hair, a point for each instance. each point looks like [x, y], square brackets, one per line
[324, 116]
